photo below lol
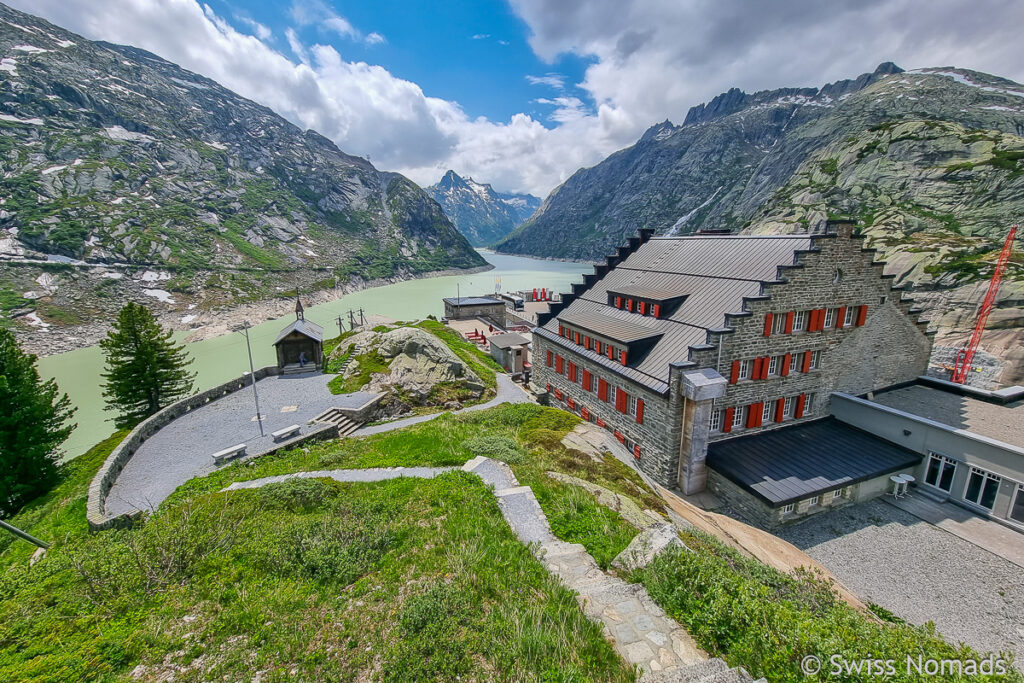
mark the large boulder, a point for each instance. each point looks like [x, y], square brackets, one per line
[417, 362]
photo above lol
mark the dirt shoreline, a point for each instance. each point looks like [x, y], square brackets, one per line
[207, 324]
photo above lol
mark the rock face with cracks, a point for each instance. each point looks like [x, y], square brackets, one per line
[417, 362]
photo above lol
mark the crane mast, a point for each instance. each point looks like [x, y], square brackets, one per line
[965, 356]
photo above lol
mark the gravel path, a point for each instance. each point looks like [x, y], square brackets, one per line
[182, 450]
[920, 573]
[508, 392]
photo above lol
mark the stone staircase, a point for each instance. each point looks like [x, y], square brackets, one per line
[708, 671]
[296, 369]
[346, 425]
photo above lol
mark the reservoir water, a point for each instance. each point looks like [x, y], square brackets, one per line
[219, 359]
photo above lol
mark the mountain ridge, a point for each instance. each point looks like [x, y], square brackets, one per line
[119, 162]
[479, 212]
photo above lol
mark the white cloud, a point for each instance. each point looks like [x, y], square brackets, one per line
[651, 60]
[317, 13]
[481, 36]
[552, 80]
[258, 29]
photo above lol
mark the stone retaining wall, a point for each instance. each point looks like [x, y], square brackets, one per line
[119, 457]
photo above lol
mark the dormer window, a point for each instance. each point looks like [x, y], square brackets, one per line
[646, 301]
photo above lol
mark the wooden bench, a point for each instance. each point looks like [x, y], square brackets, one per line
[228, 453]
[282, 434]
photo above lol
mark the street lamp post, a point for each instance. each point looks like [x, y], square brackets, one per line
[252, 373]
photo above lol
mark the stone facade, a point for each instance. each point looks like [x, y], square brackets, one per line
[888, 345]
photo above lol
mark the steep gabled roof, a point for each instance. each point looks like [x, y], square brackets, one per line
[713, 272]
[310, 329]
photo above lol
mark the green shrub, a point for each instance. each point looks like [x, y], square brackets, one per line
[494, 446]
[434, 644]
[298, 494]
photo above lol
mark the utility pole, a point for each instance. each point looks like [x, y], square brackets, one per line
[21, 534]
[362, 319]
[351, 319]
[341, 326]
[252, 373]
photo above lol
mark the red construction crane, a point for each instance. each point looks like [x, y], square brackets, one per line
[965, 356]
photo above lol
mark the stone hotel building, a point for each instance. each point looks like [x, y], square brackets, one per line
[685, 347]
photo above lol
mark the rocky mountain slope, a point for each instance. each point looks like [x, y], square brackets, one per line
[930, 162]
[123, 175]
[481, 214]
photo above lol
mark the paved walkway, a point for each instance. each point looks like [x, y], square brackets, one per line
[984, 533]
[638, 628]
[182, 449]
[508, 392]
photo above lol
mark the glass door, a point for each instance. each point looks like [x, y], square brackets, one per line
[1017, 509]
[940, 472]
[982, 488]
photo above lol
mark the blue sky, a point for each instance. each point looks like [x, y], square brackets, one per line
[407, 84]
[473, 53]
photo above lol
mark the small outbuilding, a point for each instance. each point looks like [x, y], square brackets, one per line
[300, 346]
[469, 307]
[510, 351]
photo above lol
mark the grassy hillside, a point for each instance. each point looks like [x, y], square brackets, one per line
[406, 579]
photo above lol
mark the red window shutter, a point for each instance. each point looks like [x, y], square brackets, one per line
[621, 437]
[656, 310]
[734, 375]
[618, 302]
[800, 401]
[756, 374]
[586, 342]
[786, 360]
[558, 394]
[586, 380]
[597, 347]
[620, 400]
[584, 413]
[602, 389]
[754, 415]
[577, 337]
[727, 423]
[821, 319]
[789, 322]
[549, 388]
[572, 404]
[840, 317]
[862, 315]
[807, 362]
[643, 308]
[559, 365]
[780, 408]
[549, 358]
[611, 352]
[601, 423]
[561, 331]
[572, 372]
[636, 451]
[640, 411]
[768, 324]
[622, 357]
[629, 305]
[812, 317]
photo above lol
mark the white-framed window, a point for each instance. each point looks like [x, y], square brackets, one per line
[848, 318]
[745, 366]
[773, 365]
[813, 501]
[631, 405]
[779, 323]
[794, 363]
[787, 509]
[787, 407]
[940, 472]
[830, 317]
[1017, 509]
[809, 405]
[716, 420]
[739, 417]
[815, 360]
[799, 321]
[982, 487]
[768, 412]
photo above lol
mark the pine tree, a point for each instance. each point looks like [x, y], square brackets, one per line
[145, 370]
[34, 422]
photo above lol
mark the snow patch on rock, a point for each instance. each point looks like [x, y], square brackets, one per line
[161, 295]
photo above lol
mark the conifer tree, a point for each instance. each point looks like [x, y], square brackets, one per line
[34, 422]
[145, 370]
